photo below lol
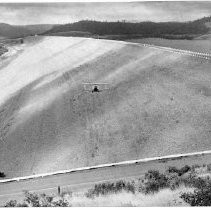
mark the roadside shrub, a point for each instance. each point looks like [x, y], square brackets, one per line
[209, 167]
[14, 203]
[36, 200]
[60, 203]
[106, 188]
[173, 178]
[174, 181]
[191, 180]
[130, 187]
[200, 197]
[153, 182]
[151, 186]
[32, 199]
[11, 203]
[200, 182]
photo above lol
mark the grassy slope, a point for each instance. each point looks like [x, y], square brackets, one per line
[48, 122]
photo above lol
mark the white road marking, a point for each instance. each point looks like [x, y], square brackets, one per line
[179, 51]
[130, 162]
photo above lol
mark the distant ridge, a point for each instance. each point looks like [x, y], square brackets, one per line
[15, 31]
[178, 30]
[183, 30]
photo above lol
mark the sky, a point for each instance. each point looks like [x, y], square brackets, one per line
[60, 13]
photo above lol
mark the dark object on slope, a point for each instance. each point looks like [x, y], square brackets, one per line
[95, 89]
[2, 174]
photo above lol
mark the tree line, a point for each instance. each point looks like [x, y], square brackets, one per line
[146, 29]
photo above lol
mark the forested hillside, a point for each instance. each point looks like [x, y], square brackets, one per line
[145, 29]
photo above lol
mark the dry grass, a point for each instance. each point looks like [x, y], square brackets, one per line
[165, 197]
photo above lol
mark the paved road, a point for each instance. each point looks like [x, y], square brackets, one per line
[85, 178]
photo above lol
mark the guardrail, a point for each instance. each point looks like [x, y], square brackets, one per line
[123, 163]
[180, 51]
[170, 49]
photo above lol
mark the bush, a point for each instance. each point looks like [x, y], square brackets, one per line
[200, 197]
[173, 178]
[14, 203]
[36, 200]
[191, 180]
[209, 167]
[153, 182]
[11, 203]
[106, 188]
[174, 181]
[32, 199]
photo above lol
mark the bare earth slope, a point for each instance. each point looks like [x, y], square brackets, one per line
[158, 103]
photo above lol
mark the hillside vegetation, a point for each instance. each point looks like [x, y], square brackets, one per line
[16, 31]
[179, 30]
[111, 30]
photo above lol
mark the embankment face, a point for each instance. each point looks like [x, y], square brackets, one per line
[157, 103]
